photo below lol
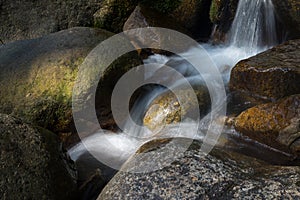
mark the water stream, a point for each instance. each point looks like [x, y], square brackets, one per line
[253, 31]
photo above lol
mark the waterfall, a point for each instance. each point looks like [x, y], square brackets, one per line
[253, 31]
[254, 26]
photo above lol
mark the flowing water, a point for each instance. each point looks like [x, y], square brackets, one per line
[253, 31]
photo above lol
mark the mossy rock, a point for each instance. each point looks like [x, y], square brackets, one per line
[222, 13]
[37, 76]
[215, 10]
[33, 164]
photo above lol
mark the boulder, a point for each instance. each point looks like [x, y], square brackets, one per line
[30, 19]
[274, 124]
[143, 17]
[219, 175]
[113, 14]
[289, 16]
[166, 109]
[268, 76]
[37, 76]
[33, 164]
[191, 14]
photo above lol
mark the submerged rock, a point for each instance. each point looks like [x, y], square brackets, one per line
[289, 15]
[219, 175]
[268, 76]
[275, 124]
[32, 163]
[37, 76]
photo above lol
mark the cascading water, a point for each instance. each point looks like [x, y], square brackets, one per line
[253, 31]
[254, 28]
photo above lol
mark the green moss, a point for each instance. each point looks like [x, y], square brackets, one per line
[214, 11]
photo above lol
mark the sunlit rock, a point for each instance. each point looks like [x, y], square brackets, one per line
[275, 124]
[166, 109]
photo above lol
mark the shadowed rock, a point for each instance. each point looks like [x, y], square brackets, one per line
[32, 163]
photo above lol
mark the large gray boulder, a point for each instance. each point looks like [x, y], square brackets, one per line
[219, 175]
[33, 164]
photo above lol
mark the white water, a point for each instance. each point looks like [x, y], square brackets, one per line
[253, 31]
[254, 27]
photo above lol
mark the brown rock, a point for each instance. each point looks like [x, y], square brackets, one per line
[166, 109]
[143, 17]
[275, 124]
[270, 75]
[194, 16]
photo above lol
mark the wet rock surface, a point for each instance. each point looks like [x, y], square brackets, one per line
[33, 164]
[268, 76]
[166, 109]
[219, 175]
[275, 124]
